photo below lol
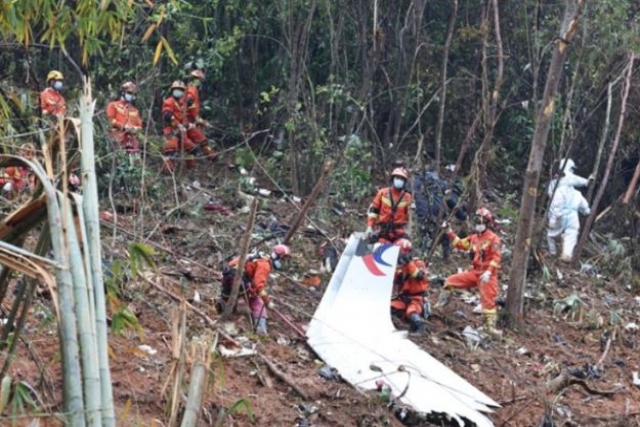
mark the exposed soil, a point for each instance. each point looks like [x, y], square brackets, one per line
[514, 371]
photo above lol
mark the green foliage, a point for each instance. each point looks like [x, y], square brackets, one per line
[18, 396]
[123, 319]
[141, 256]
[351, 180]
[242, 405]
[509, 208]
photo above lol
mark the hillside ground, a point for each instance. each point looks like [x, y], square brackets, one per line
[580, 324]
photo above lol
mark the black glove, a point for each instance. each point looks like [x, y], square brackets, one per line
[189, 102]
[420, 275]
[167, 116]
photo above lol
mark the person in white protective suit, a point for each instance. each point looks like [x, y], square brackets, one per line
[567, 177]
[563, 220]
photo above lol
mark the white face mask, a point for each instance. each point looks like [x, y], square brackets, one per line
[398, 183]
[129, 97]
[178, 93]
[57, 85]
[277, 264]
[480, 228]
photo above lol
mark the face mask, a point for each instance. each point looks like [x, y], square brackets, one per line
[178, 94]
[277, 264]
[480, 228]
[57, 85]
[398, 183]
[129, 97]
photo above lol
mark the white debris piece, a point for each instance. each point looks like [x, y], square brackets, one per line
[147, 349]
[352, 331]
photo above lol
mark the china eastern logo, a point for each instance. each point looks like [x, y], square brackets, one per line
[372, 260]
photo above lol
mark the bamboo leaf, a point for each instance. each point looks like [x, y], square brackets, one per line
[167, 47]
[5, 391]
[158, 52]
[242, 404]
[149, 31]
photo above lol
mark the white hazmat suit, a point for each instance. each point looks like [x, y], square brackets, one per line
[564, 221]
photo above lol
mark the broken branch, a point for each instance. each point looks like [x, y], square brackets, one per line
[282, 376]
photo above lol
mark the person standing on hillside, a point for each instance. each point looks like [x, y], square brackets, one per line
[486, 249]
[52, 103]
[254, 283]
[411, 284]
[389, 211]
[564, 221]
[125, 119]
[175, 129]
[194, 122]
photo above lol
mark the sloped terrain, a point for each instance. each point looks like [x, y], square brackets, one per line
[592, 339]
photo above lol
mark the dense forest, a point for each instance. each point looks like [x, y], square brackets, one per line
[500, 89]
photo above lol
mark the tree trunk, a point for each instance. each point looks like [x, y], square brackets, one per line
[607, 171]
[443, 84]
[603, 140]
[573, 11]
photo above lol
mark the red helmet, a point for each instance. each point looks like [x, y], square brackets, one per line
[485, 214]
[404, 245]
[282, 251]
[198, 74]
[400, 172]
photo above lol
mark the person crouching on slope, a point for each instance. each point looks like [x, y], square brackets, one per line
[411, 280]
[257, 268]
[486, 248]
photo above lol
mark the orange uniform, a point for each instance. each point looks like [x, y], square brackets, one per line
[390, 211]
[191, 104]
[487, 251]
[192, 100]
[175, 137]
[52, 102]
[18, 176]
[411, 277]
[254, 283]
[125, 120]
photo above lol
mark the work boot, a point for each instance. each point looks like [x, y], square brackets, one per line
[490, 319]
[417, 325]
[261, 326]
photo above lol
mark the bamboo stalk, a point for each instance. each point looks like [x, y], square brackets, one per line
[196, 391]
[88, 344]
[90, 208]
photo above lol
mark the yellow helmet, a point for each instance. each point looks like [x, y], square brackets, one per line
[54, 75]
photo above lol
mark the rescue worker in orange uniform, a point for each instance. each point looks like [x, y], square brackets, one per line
[389, 210]
[125, 119]
[175, 129]
[253, 284]
[52, 103]
[411, 284]
[16, 179]
[486, 248]
[194, 122]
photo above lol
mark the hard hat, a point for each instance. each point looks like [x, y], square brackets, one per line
[404, 245]
[567, 165]
[282, 251]
[485, 214]
[54, 75]
[420, 263]
[178, 84]
[400, 172]
[129, 87]
[198, 74]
